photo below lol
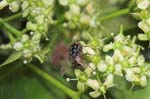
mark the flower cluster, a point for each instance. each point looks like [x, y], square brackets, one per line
[144, 14]
[125, 61]
[40, 14]
[78, 13]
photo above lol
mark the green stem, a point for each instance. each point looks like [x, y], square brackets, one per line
[9, 28]
[15, 16]
[114, 14]
[53, 81]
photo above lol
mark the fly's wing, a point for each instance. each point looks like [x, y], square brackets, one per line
[64, 66]
[80, 61]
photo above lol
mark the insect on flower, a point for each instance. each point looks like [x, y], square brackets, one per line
[75, 57]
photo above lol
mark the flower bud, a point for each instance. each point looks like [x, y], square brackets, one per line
[31, 26]
[75, 9]
[109, 81]
[102, 66]
[143, 4]
[82, 2]
[118, 55]
[27, 53]
[118, 69]
[93, 84]
[25, 4]
[141, 60]
[64, 2]
[95, 94]
[24, 38]
[88, 50]
[143, 25]
[130, 76]
[18, 46]
[108, 47]
[143, 81]
[109, 60]
[14, 6]
[3, 3]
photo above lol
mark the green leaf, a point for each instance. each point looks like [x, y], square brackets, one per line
[123, 90]
[13, 57]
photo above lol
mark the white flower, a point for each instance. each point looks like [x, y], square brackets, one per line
[136, 69]
[24, 5]
[109, 60]
[92, 66]
[3, 3]
[95, 94]
[109, 81]
[102, 66]
[14, 6]
[24, 38]
[88, 50]
[132, 60]
[108, 47]
[118, 69]
[27, 53]
[18, 46]
[143, 4]
[64, 2]
[82, 2]
[141, 60]
[93, 84]
[48, 2]
[119, 38]
[118, 55]
[130, 76]
[75, 9]
[144, 26]
[143, 81]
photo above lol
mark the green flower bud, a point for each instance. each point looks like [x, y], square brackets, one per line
[3, 3]
[24, 38]
[143, 25]
[74, 9]
[109, 81]
[48, 3]
[102, 66]
[27, 53]
[143, 81]
[88, 50]
[14, 6]
[18, 46]
[31, 26]
[93, 84]
[81, 86]
[118, 69]
[64, 2]
[143, 4]
[95, 94]
[143, 37]
[82, 2]
[108, 47]
[25, 4]
[130, 76]
[141, 60]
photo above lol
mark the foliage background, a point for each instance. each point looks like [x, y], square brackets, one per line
[18, 81]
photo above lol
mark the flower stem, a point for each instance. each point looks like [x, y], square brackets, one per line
[114, 14]
[53, 81]
[15, 16]
[9, 28]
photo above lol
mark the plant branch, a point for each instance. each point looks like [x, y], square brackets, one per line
[114, 14]
[15, 16]
[53, 81]
[9, 28]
